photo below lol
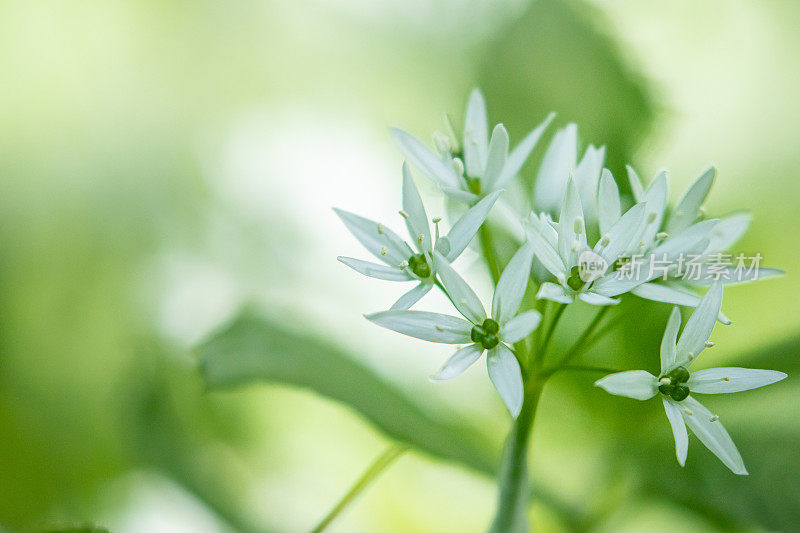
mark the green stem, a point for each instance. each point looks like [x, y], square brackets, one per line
[488, 252]
[381, 463]
[581, 343]
[549, 335]
[512, 505]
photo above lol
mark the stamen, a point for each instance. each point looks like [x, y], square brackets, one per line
[690, 356]
[384, 250]
[438, 328]
[403, 214]
[665, 381]
[436, 220]
[713, 418]
[605, 240]
[688, 411]
[420, 238]
[710, 344]
[458, 166]
[726, 378]
[403, 264]
[380, 229]
[661, 235]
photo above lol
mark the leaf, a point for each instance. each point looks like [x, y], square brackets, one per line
[254, 349]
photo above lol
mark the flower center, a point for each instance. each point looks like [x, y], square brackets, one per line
[672, 384]
[574, 280]
[486, 334]
[419, 266]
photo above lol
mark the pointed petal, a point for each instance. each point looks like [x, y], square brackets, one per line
[668, 340]
[699, 326]
[417, 220]
[433, 327]
[512, 285]
[730, 275]
[463, 297]
[571, 226]
[557, 165]
[672, 294]
[728, 232]
[375, 270]
[593, 298]
[423, 158]
[678, 429]
[520, 326]
[458, 363]
[505, 374]
[553, 292]
[656, 198]
[545, 251]
[608, 204]
[636, 384]
[636, 184]
[496, 159]
[688, 209]
[621, 234]
[712, 434]
[412, 296]
[467, 226]
[375, 237]
[686, 241]
[587, 177]
[520, 153]
[476, 132]
[731, 379]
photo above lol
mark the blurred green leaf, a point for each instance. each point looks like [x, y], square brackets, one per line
[252, 349]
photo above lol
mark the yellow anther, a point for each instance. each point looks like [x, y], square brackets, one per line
[384, 250]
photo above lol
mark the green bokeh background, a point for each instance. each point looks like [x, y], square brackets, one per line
[164, 165]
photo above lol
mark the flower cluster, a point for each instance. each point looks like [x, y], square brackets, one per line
[578, 238]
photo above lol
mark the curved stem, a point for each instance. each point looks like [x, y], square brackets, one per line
[488, 252]
[549, 335]
[581, 343]
[381, 463]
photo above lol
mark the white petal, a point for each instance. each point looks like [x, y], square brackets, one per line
[608, 204]
[596, 299]
[463, 297]
[433, 327]
[712, 434]
[512, 285]
[622, 234]
[375, 237]
[730, 275]
[636, 384]
[668, 340]
[613, 284]
[505, 374]
[556, 293]
[412, 296]
[686, 241]
[731, 379]
[520, 326]
[571, 219]
[417, 220]
[557, 165]
[496, 159]
[375, 270]
[468, 225]
[678, 429]
[729, 230]
[520, 153]
[656, 198]
[476, 132]
[671, 294]
[424, 159]
[460, 195]
[636, 184]
[459, 362]
[546, 252]
[688, 209]
[587, 177]
[699, 326]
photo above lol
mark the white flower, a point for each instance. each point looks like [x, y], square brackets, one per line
[404, 262]
[491, 334]
[682, 232]
[478, 168]
[676, 383]
[560, 247]
[560, 163]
